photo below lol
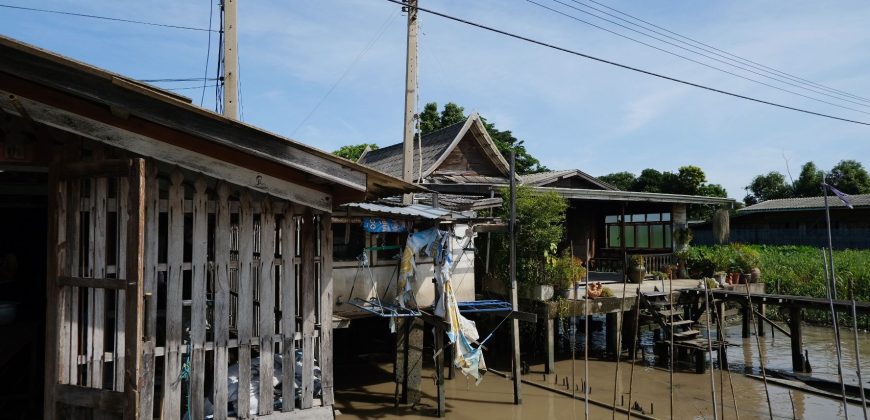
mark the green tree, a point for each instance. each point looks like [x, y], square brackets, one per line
[621, 180]
[809, 182]
[649, 180]
[770, 186]
[452, 114]
[431, 120]
[690, 180]
[850, 177]
[354, 151]
[541, 217]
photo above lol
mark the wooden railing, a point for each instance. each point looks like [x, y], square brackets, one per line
[657, 262]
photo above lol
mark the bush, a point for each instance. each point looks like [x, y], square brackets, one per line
[795, 270]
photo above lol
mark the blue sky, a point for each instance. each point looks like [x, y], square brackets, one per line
[572, 113]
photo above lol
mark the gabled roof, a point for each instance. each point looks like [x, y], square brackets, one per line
[436, 146]
[805, 203]
[543, 178]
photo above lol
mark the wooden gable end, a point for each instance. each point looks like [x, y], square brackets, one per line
[468, 158]
[573, 182]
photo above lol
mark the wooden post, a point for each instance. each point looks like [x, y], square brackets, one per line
[611, 325]
[762, 310]
[135, 303]
[288, 307]
[515, 323]
[244, 320]
[174, 265]
[629, 329]
[746, 319]
[222, 250]
[309, 292]
[439, 369]
[199, 266]
[550, 367]
[326, 302]
[794, 323]
[53, 318]
[267, 306]
[152, 221]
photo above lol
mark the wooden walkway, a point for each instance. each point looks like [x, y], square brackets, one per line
[785, 300]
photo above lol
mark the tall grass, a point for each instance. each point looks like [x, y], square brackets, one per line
[799, 270]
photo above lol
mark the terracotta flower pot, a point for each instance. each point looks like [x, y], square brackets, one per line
[755, 274]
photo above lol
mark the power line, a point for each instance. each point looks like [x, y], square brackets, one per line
[59, 12]
[771, 69]
[729, 62]
[207, 50]
[624, 66]
[190, 87]
[703, 63]
[189, 79]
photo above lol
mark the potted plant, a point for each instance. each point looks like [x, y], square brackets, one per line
[682, 263]
[636, 269]
[720, 277]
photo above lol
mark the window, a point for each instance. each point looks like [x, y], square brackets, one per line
[642, 231]
[348, 241]
[388, 246]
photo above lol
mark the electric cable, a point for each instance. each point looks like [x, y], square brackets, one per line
[705, 64]
[140, 22]
[207, 50]
[627, 67]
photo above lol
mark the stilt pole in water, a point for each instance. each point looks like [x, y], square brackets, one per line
[620, 322]
[671, 344]
[634, 349]
[586, 338]
[760, 355]
[710, 349]
[515, 323]
[833, 295]
[720, 322]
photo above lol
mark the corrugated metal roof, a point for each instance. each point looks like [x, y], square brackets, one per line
[413, 210]
[805, 203]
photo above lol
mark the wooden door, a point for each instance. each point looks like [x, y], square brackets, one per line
[94, 315]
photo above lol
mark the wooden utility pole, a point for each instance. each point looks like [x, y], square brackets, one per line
[410, 96]
[515, 323]
[231, 61]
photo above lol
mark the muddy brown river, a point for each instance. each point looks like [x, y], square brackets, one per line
[366, 390]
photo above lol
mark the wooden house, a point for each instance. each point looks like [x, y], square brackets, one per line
[178, 249]
[462, 160]
[798, 221]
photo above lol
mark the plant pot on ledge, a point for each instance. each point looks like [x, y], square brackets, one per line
[542, 292]
[636, 274]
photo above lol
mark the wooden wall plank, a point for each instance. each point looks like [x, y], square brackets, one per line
[288, 307]
[171, 407]
[246, 300]
[61, 267]
[267, 306]
[222, 247]
[326, 301]
[309, 316]
[123, 217]
[52, 316]
[199, 266]
[73, 232]
[134, 295]
[99, 197]
[152, 222]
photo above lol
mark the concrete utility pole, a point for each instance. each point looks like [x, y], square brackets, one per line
[231, 61]
[410, 96]
[515, 323]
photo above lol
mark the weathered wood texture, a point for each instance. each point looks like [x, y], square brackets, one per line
[163, 280]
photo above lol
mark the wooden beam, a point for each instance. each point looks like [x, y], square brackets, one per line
[99, 399]
[53, 319]
[326, 302]
[288, 307]
[92, 283]
[106, 168]
[222, 251]
[199, 265]
[135, 304]
[245, 322]
[309, 292]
